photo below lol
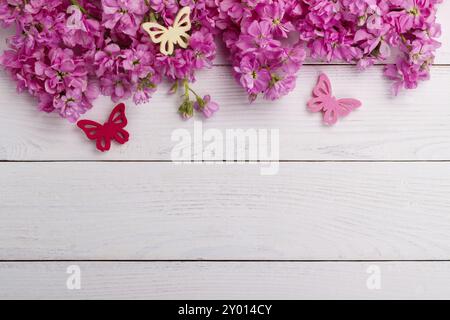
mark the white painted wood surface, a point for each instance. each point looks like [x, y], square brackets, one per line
[391, 204]
[163, 211]
[413, 126]
[229, 280]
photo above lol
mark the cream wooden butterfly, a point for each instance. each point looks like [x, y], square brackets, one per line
[175, 34]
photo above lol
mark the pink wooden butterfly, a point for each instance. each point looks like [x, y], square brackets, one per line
[331, 107]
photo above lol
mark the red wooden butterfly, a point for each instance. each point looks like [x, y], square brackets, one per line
[331, 107]
[113, 129]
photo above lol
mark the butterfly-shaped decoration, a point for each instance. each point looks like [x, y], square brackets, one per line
[324, 101]
[113, 129]
[175, 34]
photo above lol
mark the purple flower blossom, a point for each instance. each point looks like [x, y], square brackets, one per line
[368, 31]
[206, 106]
[260, 33]
[66, 52]
[123, 16]
[256, 33]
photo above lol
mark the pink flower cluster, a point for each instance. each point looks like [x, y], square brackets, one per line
[258, 34]
[369, 31]
[66, 52]
[265, 38]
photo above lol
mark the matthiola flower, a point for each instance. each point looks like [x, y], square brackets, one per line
[280, 86]
[257, 34]
[186, 109]
[206, 106]
[123, 16]
[367, 31]
[74, 102]
[117, 86]
[79, 30]
[203, 48]
[63, 71]
[252, 75]
[261, 36]
[10, 10]
[66, 52]
[182, 65]
[278, 18]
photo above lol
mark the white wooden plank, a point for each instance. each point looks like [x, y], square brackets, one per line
[229, 280]
[163, 211]
[413, 126]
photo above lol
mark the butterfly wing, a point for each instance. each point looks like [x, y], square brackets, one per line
[345, 106]
[182, 39]
[316, 104]
[168, 37]
[117, 122]
[331, 114]
[321, 94]
[323, 87]
[183, 20]
[156, 31]
[167, 46]
[95, 131]
[92, 129]
[121, 136]
[181, 26]
[103, 143]
[159, 34]
[118, 117]
[339, 108]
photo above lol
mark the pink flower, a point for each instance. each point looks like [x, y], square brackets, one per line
[123, 15]
[264, 60]
[204, 48]
[67, 51]
[367, 31]
[260, 36]
[280, 86]
[207, 107]
[118, 87]
[252, 75]
[63, 72]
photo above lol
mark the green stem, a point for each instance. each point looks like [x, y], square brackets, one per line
[76, 3]
[186, 89]
[195, 93]
[152, 17]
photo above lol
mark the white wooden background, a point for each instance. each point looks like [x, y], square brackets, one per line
[374, 190]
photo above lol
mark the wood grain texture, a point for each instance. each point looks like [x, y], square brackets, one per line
[218, 280]
[317, 211]
[159, 211]
[413, 126]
